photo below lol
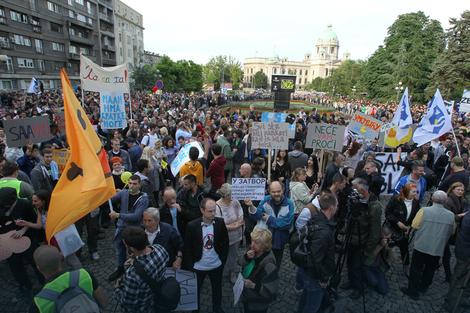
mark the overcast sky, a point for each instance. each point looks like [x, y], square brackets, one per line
[199, 30]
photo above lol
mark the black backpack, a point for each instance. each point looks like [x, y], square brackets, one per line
[299, 246]
[166, 293]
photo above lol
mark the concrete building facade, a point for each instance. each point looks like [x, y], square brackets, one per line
[129, 29]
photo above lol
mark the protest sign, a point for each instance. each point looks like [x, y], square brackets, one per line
[365, 126]
[188, 284]
[269, 136]
[248, 188]
[10, 245]
[21, 132]
[113, 112]
[277, 117]
[390, 170]
[183, 156]
[465, 102]
[383, 142]
[325, 136]
[238, 288]
[61, 156]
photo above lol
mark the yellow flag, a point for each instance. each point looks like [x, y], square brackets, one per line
[391, 139]
[86, 181]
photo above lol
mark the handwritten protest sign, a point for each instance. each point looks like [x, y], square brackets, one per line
[248, 188]
[61, 156]
[390, 170]
[113, 112]
[183, 156]
[238, 288]
[325, 136]
[20, 132]
[188, 284]
[465, 102]
[269, 136]
[365, 126]
[277, 117]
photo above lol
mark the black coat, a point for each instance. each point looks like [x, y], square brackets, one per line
[169, 239]
[193, 244]
[396, 212]
[165, 217]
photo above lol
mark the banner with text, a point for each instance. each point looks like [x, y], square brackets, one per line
[183, 156]
[465, 102]
[270, 136]
[112, 84]
[61, 156]
[248, 188]
[277, 117]
[390, 170]
[188, 284]
[21, 132]
[325, 136]
[365, 126]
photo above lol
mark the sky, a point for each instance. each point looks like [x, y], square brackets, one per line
[200, 30]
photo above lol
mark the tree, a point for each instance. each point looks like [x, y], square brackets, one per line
[317, 84]
[451, 72]
[345, 77]
[229, 66]
[410, 49]
[144, 77]
[260, 80]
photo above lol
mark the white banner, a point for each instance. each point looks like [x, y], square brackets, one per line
[188, 285]
[183, 156]
[248, 188]
[391, 171]
[270, 135]
[112, 83]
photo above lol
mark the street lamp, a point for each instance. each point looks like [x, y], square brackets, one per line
[399, 89]
[354, 91]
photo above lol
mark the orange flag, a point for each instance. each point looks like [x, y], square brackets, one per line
[86, 181]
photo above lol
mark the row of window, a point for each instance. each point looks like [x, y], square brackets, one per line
[32, 63]
[283, 71]
[54, 7]
[24, 84]
[26, 41]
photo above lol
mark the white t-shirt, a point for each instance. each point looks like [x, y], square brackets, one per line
[210, 259]
[149, 140]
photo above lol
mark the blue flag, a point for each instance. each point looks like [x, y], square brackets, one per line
[435, 123]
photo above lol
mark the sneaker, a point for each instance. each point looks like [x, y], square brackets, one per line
[95, 256]
[116, 274]
[411, 294]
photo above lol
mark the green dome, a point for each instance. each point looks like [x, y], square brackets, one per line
[328, 34]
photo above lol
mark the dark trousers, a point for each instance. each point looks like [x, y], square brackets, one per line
[458, 284]
[446, 261]
[404, 251]
[278, 255]
[422, 269]
[17, 264]
[92, 228]
[354, 263]
[215, 277]
[247, 310]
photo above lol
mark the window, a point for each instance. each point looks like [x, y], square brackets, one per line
[38, 45]
[70, 2]
[120, 37]
[25, 63]
[56, 28]
[71, 14]
[4, 42]
[5, 84]
[34, 21]
[3, 19]
[79, 2]
[89, 8]
[41, 65]
[81, 18]
[53, 7]
[21, 40]
[275, 70]
[57, 46]
[90, 21]
[73, 49]
[84, 51]
[306, 72]
[300, 72]
[19, 17]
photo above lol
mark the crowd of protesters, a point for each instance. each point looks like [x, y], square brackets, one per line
[189, 221]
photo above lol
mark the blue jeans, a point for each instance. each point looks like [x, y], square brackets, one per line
[376, 279]
[312, 295]
[120, 249]
[299, 278]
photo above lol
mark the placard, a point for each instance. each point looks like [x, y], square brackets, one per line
[183, 156]
[465, 102]
[390, 170]
[277, 117]
[238, 288]
[188, 284]
[325, 136]
[21, 132]
[112, 110]
[248, 188]
[365, 126]
[270, 136]
[61, 156]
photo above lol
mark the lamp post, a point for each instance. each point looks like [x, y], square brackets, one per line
[354, 91]
[398, 89]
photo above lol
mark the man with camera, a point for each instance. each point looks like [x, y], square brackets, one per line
[364, 227]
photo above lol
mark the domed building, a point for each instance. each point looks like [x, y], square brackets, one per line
[320, 64]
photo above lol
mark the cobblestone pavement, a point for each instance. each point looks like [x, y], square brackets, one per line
[287, 300]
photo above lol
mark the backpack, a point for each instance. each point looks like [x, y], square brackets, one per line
[166, 293]
[72, 299]
[299, 246]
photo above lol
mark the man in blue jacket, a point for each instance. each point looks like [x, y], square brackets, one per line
[276, 212]
[417, 177]
[132, 203]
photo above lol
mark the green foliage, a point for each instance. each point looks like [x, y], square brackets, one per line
[227, 66]
[260, 80]
[451, 72]
[177, 76]
[408, 54]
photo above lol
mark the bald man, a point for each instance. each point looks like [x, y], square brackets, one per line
[277, 212]
[245, 170]
[49, 262]
[170, 212]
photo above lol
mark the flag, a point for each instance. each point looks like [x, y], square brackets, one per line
[34, 86]
[86, 180]
[435, 123]
[402, 120]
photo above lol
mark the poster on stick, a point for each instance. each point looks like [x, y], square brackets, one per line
[390, 170]
[188, 284]
[248, 188]
[278, 117]
[183, 156]
[61, 156]
[365, 126]
[21, 132]
[325, 136]
[270, 136]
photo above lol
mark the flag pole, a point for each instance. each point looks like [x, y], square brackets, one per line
[456, 143]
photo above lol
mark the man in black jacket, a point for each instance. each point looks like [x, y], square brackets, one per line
[374, 179]
[189, 198]
[332, 169]
[205, 250]
[322, 243]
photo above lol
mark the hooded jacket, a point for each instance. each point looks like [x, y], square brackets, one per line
[297, 159]
[300, 195]
[216, 172]
[195, 168]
